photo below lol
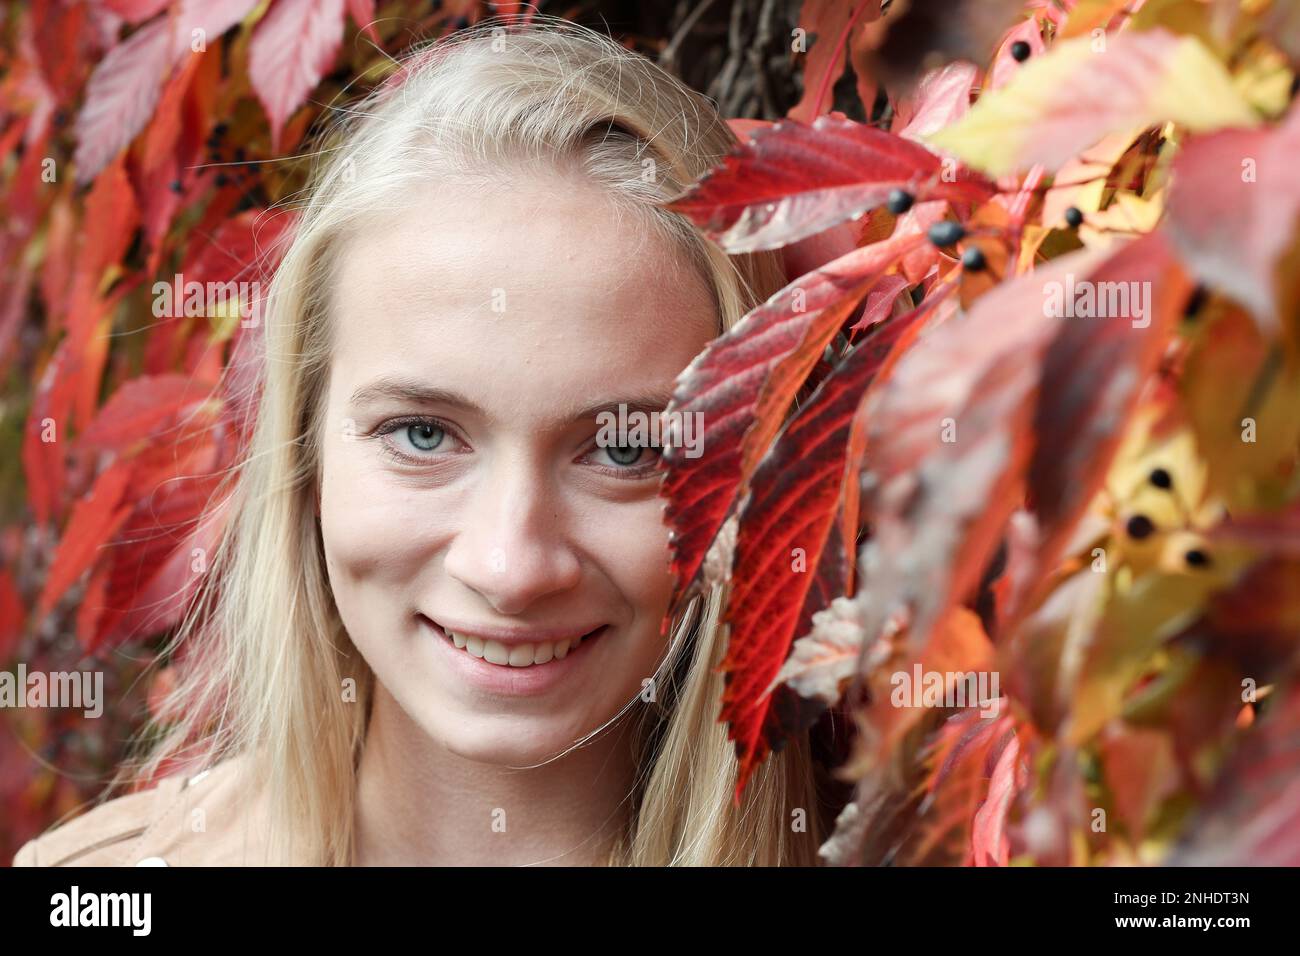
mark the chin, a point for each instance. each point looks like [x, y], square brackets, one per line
[502, 740]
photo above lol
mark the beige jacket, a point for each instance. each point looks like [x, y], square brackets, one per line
[198, 820]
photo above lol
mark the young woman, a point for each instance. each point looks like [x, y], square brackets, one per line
[432, 629]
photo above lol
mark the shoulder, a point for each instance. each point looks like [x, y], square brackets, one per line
[202, 819]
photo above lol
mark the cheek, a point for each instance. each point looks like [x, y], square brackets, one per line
[634, 551]
[369, 530]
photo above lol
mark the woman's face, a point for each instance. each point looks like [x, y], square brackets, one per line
[464, 492]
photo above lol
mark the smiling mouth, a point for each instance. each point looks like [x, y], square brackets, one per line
[518, 654]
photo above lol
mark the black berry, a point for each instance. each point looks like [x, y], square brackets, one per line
[899, 201]
[973, 260]
[1020, 51]
[222, 180]
[1139, 527]
[946, 233]
[1074, 217]
[1196, 302]
[1161, 478]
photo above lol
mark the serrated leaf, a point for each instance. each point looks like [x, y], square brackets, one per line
[791, 181]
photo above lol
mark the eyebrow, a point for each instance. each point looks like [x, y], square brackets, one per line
[415, 392]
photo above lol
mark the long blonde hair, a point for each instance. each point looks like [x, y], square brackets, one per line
[264, 651]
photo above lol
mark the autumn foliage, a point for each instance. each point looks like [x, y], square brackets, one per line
[1040, 423]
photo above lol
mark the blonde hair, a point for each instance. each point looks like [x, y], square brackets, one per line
[264, 651]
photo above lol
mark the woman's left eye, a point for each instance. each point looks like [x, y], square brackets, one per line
[630, 461]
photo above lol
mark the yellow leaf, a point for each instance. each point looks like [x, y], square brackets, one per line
[1071, 97]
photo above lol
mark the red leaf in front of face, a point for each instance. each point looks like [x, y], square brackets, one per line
[791, 559]
[791, 181]
[95, 519]
[1234, 206]
[291, 50]
[742, 386]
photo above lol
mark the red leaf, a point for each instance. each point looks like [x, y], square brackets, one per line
[12, 615]
[110, 219]
[791, 181]
[150, 576]
[121, 95]
[363, 15]
[796, 496]
[1233, 210]
[989, 843]
[60, 251]
[1252, 815]
[1093, 375]
[940, 99]
[159, 165]
[91, 608]
[1141, 771]
[125, 85]
[137, 410]
[152, 582]
[135, 11]
[743, 384]
[44, 466]
[830, 23]
[94, 520]
[952, 432]
[291, 50]
[1004, 64]
[60, 34]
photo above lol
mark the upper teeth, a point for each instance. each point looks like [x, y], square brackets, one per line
[516, 655]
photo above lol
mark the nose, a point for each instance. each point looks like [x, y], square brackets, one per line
[512, 544]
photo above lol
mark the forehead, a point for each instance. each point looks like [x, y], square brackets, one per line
[552, 287]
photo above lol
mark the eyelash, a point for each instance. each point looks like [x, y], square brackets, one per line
[634, 472]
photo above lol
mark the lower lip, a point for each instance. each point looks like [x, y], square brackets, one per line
[509, 681]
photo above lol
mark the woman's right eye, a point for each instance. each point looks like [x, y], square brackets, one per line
[423, 436]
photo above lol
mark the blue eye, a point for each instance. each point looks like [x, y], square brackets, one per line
[418, 433]
[624, 454]
[423, 436]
